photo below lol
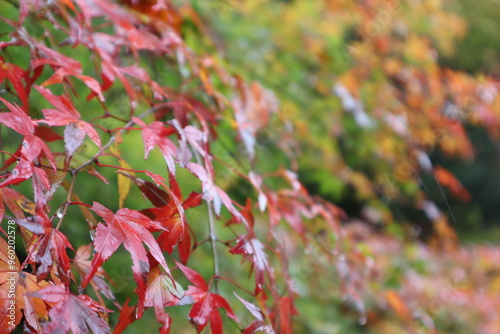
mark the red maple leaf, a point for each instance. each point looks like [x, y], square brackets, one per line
[33, 309]
[254, 250]
[206, 303]
[66, 114]
[130, 228]
[177, 233]
[259, 325]
[155, 134]
[15, 75]
[17, 119]
[162, 292]
[49, 251]
[251, 248]
[83, 266]
[169, 212]
[78, 314]
[127, 317]
[283, 314]
[66, 66]
[31, 148]
[211, 192]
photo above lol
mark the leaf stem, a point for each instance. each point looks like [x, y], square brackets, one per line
[237, 285]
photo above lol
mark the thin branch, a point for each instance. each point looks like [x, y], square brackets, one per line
[68, 200]
[213, 244]
[444, 197]
[212, 236]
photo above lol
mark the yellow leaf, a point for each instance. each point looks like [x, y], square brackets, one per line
[26, 205]
[123, 182]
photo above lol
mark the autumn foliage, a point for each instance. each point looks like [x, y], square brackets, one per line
[130, 139]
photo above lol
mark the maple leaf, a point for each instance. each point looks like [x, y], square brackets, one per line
[31, 148]
[250, 247]
[83, 266]
[26, 170]
[32, 145]
[17, 119]
[15, 202]
[55, 58]
[127, 317]
[256, 181]
[33, 308]
[123, 181]
[177, 232]
[152, 192]
[155, 134]
[258, 325]
[253, 248]
[185, 104]
[211, 192]
[66, 66]
[252, 112]
[287, 205]
[47, 134]
[162, 291]
[66, 114]
[206, 303]
[15, 75]
[75, 313]
[142, 75]
[50, 248]
[169, 212]
[282, 317]
[130, 228]
[177, 229]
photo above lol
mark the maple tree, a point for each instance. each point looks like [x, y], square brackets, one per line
[104, 101]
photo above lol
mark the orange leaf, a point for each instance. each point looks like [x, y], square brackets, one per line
[448, 180]
[398, 305]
